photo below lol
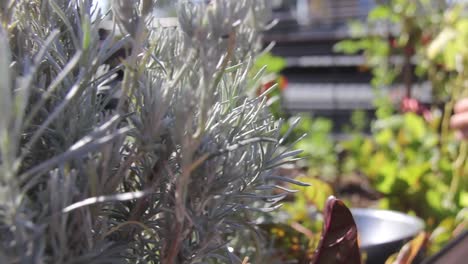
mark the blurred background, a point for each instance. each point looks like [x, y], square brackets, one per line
[375, 83]
[321, 79]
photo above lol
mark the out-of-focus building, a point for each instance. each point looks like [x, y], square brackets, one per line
[320, 80]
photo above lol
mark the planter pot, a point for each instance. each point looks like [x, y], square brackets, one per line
[383, 232]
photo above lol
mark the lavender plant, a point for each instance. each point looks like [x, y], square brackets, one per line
[178, 172]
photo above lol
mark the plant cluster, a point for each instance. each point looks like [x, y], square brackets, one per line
[178, 172]
[420, 38]
[411, 156]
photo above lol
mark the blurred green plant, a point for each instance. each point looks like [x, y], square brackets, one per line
[413, 158]
[295, 230]
[272, 83]
[393, 41]
[411, 155]
[404, 161]
[318, 147]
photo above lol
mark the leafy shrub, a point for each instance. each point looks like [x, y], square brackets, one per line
[413, 158]
[177, 173]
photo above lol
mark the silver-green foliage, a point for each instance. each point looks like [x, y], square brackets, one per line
[176, 173]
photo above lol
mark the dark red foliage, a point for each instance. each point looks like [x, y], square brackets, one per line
[339, 242]
[265, 87]
[414, 106]
[426, 38]
[282, 84]
[393, 42]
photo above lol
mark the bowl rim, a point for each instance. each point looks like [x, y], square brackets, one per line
[396, 216]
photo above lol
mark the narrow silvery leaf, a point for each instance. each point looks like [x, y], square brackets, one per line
[270, 187]
[286, 179]
[82, 147]
[291, 127]
[65, 20]
[284, 156]
[103, 199]
[5, 84]
[54, 84]
[6, 99]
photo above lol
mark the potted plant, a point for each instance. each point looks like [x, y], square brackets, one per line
[176, 173]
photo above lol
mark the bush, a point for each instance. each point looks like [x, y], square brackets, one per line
[176, 173]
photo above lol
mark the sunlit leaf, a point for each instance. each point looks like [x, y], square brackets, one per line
[464, 199]
[414, 126]
[410, 250]
[274, 63]
[440, 42]
[379, 13]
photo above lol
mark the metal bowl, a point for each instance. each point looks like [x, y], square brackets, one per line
[383, 232]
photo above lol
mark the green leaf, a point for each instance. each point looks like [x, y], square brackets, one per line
[380, 12]
[274, 64]
[439, 43]
[391, 122]
[86, 25]
[462, 26]
[388, 173]
[450, 54]
[413, 173]
[349, 46]
[384, 137]
[316, 195]
[415, 126]
[434, 199]
[464, 199]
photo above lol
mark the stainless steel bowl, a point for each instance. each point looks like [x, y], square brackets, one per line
[383, 232]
